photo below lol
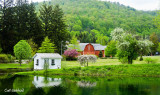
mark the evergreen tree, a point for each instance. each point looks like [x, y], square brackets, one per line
[45, 16]
[58, 31]
[7, 33]
[47, 46]
[54, 25]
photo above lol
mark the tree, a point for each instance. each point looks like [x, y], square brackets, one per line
[83, 59]
[100, 54]
[59, 32]
[7, 21]
[144, 47]
[47, 46]
[127, 45]
[46, 16]
[111, 49]
[33, 46]
[54, 25]
[22, 50]
[154, 38]
[71, 54]
[158, 49]
[74, 44]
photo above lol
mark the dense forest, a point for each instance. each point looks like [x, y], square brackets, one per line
[93, 20]
[90, 21]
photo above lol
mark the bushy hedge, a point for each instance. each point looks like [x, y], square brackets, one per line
[6, 58]
[70, 54]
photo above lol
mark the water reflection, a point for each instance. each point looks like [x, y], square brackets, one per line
[40, 81]
[71, 85]
[86, 84]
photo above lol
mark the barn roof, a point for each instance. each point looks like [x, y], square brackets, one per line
[96, 46]
[48, 55]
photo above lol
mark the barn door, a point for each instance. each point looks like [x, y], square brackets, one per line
[46, 64]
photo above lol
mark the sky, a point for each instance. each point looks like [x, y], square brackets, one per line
[137, 4]
[140, 4]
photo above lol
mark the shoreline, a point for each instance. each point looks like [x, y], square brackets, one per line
[134, 70]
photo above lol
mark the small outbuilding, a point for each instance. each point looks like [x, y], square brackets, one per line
[52, 59]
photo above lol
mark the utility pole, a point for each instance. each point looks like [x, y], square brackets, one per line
[61, 47]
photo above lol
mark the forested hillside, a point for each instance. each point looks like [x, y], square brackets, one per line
[93, 20]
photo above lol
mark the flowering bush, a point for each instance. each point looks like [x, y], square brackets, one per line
[71, 54]
[86, 58]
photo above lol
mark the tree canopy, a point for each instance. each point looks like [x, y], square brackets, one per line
[22, 50]
[47, 46]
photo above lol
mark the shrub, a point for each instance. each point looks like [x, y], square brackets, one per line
[4, 58]
[71, 54]
[86, 58]
[150, 60]
[11, 58]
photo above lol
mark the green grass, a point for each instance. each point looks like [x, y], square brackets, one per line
[103, 67]
[14, 65]
[104, 62]
[109, 70]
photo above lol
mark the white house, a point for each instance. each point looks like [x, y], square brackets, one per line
[53, 60]
[50, 82]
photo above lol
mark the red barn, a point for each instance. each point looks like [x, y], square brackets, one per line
[91, 48]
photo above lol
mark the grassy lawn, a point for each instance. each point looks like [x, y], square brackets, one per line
[104, 62]
[104, 67]
[72, 64]
[14, 65]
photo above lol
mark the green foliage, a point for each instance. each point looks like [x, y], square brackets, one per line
[154, 39]
[22, 50]
[33, 45]
[54, 25]
[4, 58]
[144, 47]
[111, 50]
[150, 60]
[47, 46]
[158, 49]
[100, 54]
[22, 83]
[74, 44]
[127, 45]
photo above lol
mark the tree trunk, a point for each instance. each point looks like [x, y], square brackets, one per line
[87, 64]
[129, 60]
[141, 58]
[20, 61]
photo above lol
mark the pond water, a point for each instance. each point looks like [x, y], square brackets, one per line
[68, 85]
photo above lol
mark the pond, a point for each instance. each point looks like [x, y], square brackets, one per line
[71, 85]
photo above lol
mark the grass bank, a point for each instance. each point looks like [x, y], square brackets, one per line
[109, 70]
[15, 65]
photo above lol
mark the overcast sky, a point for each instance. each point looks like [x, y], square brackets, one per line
[140, 4]
[137, 4]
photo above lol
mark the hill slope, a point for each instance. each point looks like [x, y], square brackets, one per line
[91, 19]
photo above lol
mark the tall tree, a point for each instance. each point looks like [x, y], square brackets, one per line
[7, 25]
[59, 32]
[154, 38]
[54, 25]
[45, 16]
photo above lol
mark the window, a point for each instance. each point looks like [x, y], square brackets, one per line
[52, 62]
[37, 62]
